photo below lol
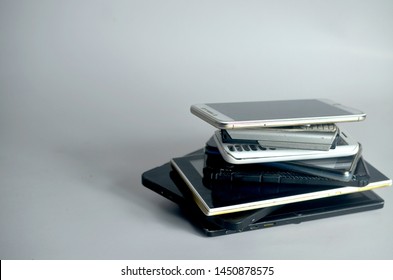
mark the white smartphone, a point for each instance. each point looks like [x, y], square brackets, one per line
[275, 113]
[252, 153]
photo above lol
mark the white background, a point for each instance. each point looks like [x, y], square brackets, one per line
[94, 93]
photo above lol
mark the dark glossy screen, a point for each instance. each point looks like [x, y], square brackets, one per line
[286, 109]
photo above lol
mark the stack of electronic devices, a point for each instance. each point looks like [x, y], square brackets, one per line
[270, 163]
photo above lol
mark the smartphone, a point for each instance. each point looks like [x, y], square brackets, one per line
[349, 170]
[236, 115]
[251, 153]
[288, 174]
[345, 169]
[310, 137]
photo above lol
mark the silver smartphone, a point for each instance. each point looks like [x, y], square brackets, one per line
[343, 169]
[251, 153]
[321, 137]
[275, 113]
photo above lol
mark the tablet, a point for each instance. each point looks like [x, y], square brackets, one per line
[167, 183]
[250, 197]
[158, 179]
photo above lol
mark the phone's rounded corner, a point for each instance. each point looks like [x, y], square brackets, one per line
[223, 125]
[195, 108]
[356, 148]
[362, 117]
[229, 158]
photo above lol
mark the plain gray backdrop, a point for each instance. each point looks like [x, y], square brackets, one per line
[94, 93]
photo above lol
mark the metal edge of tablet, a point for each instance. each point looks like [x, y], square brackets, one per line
[299, 198]
[197, 197]
[274, 202]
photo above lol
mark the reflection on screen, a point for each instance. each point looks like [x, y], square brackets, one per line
[198, 165]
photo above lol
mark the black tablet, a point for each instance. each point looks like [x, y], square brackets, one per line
[166, 182]
[230, 199]
[159, 180]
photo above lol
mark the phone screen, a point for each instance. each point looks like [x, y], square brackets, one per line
[286, 109]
